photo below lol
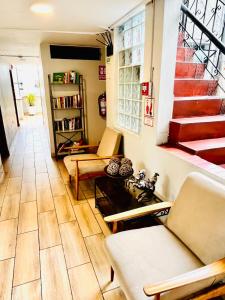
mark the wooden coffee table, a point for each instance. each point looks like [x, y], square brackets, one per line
[112, 197]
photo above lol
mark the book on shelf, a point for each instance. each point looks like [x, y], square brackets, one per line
[66, 77]
[73, 101]
[68, 124]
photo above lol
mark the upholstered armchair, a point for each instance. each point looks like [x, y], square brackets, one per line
[180, 258]
[88, 165]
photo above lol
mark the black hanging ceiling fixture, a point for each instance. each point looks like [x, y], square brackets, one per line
[105, 38]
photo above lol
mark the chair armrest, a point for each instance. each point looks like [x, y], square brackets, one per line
[138, 212]
[94, 158]
[206, 272]
[80, 147]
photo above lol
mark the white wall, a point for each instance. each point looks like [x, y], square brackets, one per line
[142, 149]
[94, 87]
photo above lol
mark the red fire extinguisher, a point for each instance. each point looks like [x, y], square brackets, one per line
[102, 105]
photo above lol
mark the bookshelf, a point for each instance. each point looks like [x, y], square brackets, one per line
[68, 113]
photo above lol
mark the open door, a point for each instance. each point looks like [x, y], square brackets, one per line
[4, 150]
[14, 97]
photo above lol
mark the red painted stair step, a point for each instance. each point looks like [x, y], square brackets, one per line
[185, 107]
[185, 54]
[189, 70]
[196, 128]
[194, 87]
[212, 150]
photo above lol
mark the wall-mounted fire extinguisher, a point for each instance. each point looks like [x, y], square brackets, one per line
[102, 105]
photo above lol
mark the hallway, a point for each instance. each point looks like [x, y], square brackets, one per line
[39, 212]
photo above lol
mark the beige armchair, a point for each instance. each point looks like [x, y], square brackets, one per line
[181, 258]
[86, 166]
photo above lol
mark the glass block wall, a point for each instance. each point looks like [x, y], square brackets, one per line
[131, 58]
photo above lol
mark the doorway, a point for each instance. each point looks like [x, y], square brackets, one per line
[26, 82]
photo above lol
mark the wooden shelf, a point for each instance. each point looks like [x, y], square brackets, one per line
[69, 131]
[68, 108]
[58, 83]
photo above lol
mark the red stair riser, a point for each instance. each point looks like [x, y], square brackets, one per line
[194, 87]
[184, 54]
[196, 131]
[189, 70]
[192, 108]
[216, 156]
[180, 39]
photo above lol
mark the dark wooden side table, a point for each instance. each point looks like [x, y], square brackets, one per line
[112, 197]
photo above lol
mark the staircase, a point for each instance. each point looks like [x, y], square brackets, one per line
[197, 126]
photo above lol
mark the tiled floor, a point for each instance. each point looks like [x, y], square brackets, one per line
[51, 246]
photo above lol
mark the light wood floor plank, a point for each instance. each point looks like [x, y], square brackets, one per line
[97, 252]
[84, 283]
[48, 230]
[42, 180]
[63, 172]
[8, 231]
[73, 244]
[16, 170]
[27, 265]
[58, 187]
[14, 186]
[28, 192]
[91, 202]
[27, 291]
[29, 175]
[72, 197]
[40, 167]
[10, 207]
[116, 294]
[2, 192]
[45, 199]
[55, 283]
[104, 227]
[86, 220]
[27, 217]
[64, 209]
[6, 277]
[28, 163]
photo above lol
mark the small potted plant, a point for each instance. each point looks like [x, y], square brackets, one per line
[31, 99]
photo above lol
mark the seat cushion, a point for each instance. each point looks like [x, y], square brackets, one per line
[198, 217]
[148, 255]
[84, 166]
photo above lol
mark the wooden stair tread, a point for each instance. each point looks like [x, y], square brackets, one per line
[200, 145]
[199, 98]
[203, 119]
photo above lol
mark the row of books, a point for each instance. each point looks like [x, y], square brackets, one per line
[68, 124]
[67, 102]
[66, 77]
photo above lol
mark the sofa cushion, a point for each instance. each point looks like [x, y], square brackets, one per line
[110, 143]
[84, 166]
[198, 217]
[148, 255]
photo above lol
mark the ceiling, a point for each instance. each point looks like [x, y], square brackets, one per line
[72, 22]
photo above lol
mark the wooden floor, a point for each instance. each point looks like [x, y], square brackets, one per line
[51, 246]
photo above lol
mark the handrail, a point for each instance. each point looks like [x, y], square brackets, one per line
[202, 27]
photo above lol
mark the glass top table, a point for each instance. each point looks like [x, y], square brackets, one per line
[112, 197]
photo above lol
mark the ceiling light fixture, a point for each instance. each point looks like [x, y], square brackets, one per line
[41, 8]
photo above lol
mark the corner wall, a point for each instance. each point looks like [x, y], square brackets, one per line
[94, 87]
[160, 53]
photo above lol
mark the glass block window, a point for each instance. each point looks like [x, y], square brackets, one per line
[131, 59]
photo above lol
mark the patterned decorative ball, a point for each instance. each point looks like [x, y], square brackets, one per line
[126, 161]
[113, 169]
[115, 160]
[125, 170]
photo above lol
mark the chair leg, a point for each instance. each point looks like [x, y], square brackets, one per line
[112, 274]
[77, 181]
[70, 178]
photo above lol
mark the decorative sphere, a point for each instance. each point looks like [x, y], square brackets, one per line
[115, 160]
[126, 161]
[125, 170]
[113, 169]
